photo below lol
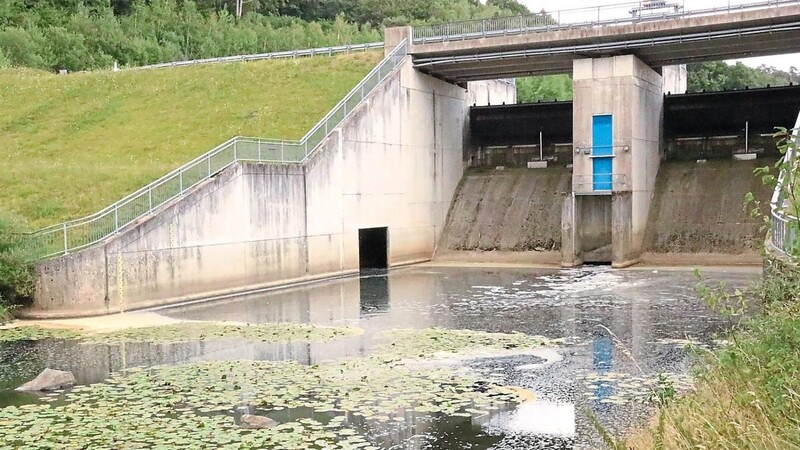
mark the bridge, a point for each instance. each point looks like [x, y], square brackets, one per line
[547, 43]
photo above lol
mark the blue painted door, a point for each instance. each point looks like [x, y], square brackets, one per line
[602, 151]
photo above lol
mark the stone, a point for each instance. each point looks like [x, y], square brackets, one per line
[49, 380]
[254, 422]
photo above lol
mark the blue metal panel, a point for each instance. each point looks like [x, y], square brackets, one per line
[602, 151]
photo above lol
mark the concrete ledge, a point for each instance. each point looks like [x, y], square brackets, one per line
[29, 314]
[537, 164]
[625, 264]
[547, 258]
[744, 156]
[701, 259]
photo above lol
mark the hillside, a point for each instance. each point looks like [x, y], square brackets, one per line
[73, 144]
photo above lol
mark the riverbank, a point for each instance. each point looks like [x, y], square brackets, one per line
[748, 393]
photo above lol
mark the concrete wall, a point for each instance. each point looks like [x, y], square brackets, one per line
[699, 208]
[493, 93]
[513, 210]
[631, 92]
[676, 79]
[395, 162]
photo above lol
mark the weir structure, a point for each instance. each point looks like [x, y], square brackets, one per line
[379, 172]
[621, 68]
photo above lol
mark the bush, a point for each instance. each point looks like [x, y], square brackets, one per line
[20, 47]
[16, 273]
[5, 63]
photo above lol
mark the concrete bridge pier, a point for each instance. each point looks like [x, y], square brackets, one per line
[617, 116]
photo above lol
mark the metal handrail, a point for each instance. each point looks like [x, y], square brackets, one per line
[326, 51]
[80, 233]
[784, 225]
[542, 22]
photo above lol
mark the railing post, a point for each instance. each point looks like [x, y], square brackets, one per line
[150, 198]
[209, 166]
[283, 157]
[116, 218]
[66, 246]
[235, 151]
[180, 176]
[259, 149]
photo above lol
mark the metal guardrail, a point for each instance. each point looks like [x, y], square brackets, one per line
[608, 15]
[785, 226]
[80, 233]
[321, 51]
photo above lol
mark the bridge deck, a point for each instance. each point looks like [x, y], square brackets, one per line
[757, 32]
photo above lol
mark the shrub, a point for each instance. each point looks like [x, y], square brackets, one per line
[16, 273]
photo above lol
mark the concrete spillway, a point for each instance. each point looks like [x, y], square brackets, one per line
[514, 214]
[699, 208]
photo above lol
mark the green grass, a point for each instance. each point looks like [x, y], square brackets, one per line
[748, 395]
[71, 145]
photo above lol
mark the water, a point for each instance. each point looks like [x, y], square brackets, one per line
[620, 329]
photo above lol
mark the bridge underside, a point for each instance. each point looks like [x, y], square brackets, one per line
[681, 41]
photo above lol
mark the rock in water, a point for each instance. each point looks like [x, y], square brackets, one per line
[257, 422]
[49, 380]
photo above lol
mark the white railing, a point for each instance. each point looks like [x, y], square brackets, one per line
[606, 15]
[322, 51]
[785, 223]
[80, 233]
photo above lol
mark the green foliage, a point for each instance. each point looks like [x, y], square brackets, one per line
[785, 176]
[87, 34]
[16, 274]
[720, 76]
[5, 63]
[545, 88]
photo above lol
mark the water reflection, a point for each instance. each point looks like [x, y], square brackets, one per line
[610, 318]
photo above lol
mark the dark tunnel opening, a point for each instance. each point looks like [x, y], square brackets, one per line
[373, 248]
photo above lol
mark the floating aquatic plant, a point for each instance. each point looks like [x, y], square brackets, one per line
[429, 341]
[186, 332]
[36, 334]
[196, 405]
[623, 388]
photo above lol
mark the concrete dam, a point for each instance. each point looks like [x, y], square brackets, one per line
[429, 158]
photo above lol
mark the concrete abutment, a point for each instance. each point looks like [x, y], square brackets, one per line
[617, 123]
[394, 163]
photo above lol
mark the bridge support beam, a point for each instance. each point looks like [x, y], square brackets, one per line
[620, 164]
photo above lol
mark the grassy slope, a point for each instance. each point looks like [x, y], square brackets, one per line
[71, 145]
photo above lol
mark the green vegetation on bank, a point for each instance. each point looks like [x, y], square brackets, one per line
[75, 144]
[93, 34]
[16, 276]
[748, 393]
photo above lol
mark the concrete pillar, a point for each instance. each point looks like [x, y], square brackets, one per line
[632, 93]
[392, 37]
[571, 245]
[676, 79]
